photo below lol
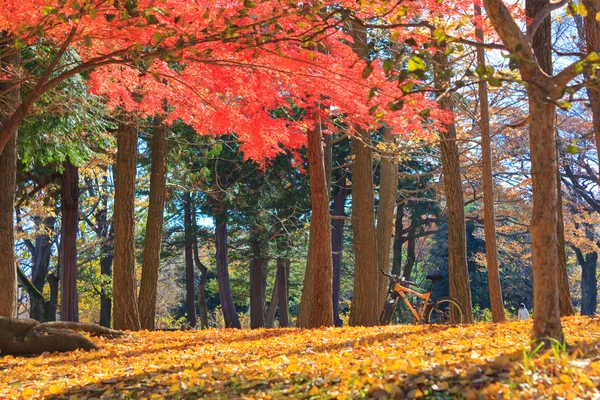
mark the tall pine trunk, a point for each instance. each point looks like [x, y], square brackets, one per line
[229, 312]
[457, 244]
[363, 311]
[258, 277]
[125, 311]
[283, 290]
[337, 241]
[203, 276]
[489, 213]
[105, 232]
[190, 285]
[388, 190]
[8, 172]
[68, 246]
[154, 224]
[320, 226]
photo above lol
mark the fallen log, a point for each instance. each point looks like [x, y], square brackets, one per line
[24, 336]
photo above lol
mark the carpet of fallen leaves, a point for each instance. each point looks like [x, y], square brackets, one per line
[471, 362]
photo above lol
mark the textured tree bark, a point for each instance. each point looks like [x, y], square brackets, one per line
[258, 270]
[542, 47]
[544, 217]
[457, 244]
[320, 227]
[125, 311]
[154, 224]
[283, 290]
[190, 286]
[489, 214]
[8, 173]
[542, 92]
[40, 261]
[363, 311]
[388, 190]
[229, 312]
[105, 231]
[69, 226]
[337, 241]
[399, 240]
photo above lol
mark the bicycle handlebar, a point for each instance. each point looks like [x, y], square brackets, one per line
[399, 279]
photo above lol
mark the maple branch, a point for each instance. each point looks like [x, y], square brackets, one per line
[541, 16]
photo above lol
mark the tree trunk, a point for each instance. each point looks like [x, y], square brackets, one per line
[105, 298]
[337, 241]
[40, 261]
[154, 224]
[411, 257]
[258, 274]
[399, 240]
[542, 47]
[388, 190]
[320, 227]
[203, 276]
[68, 246]
[270, 314]
[589, 281]
[457, 245]
[283, 290]
[125, 312]
[363, 311]
[544, 218]
[229, 312]
[8, 172]
[489, 214]
[592, 40]
[190, 285]
[105, 233]
[306, 299]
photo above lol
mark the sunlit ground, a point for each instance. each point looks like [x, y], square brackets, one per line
[385, 362]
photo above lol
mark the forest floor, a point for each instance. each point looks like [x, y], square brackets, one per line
[405, 361]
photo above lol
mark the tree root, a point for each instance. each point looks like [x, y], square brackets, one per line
[23, 336]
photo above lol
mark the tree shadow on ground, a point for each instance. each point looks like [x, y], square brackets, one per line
[143, 383]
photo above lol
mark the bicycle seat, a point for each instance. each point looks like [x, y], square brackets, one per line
[435, 277]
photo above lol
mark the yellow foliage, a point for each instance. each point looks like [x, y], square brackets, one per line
[471, 361]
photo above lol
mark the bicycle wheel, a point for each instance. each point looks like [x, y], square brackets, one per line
[445, 311]
[388, 310]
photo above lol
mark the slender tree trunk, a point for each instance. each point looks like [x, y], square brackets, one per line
[105, 297]
[125, 312]
[542, 47]
[388, 190]
[320, 227]
[40, 261]
[589, 281]
[52, 304]
[306, 299]
[229, 312]
[258, 271]
[154, 224]
[399, 240]
[363, 311]
[457, 244]
[68, 247]
[337, 241]
[8, 173]
[592, 40]
[544, 218]
[283, 290]
[411, 257]
[190, 285]
[203, 276]
[270, 314]
[489, 214]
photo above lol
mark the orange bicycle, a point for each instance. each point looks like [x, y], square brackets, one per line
[445, 310]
